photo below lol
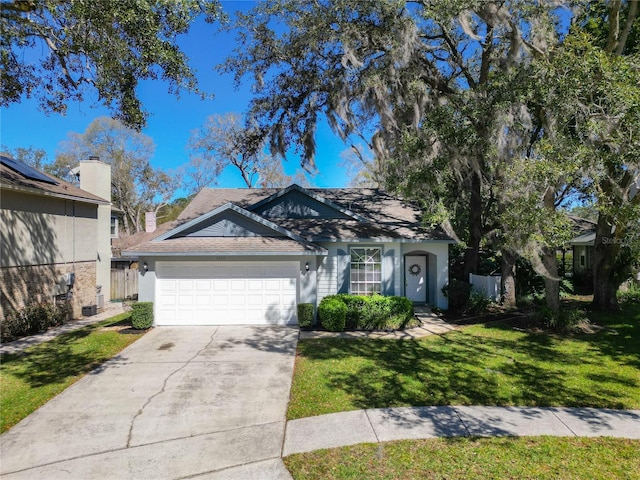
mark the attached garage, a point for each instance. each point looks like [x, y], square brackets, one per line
[226, 293]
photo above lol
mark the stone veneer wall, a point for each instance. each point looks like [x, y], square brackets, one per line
[27, 285]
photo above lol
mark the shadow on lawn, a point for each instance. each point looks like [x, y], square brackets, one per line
[459, 369]
[619, 337]
[55, 361]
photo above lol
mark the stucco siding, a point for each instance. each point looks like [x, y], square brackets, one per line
[44, 230]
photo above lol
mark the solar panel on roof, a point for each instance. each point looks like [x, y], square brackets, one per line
[26, 170]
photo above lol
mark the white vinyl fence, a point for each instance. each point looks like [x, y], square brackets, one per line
[489, 285]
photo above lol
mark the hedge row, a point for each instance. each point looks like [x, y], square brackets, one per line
[32, 319]
[377, 312]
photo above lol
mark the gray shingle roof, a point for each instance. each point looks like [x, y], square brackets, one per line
[13, 180]
[389, 216]
[227, 246]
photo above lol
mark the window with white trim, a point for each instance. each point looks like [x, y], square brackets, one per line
[114, 226]
[366, 270]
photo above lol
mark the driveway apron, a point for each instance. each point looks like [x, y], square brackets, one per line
[202, 402]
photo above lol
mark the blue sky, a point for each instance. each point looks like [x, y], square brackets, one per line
[171, 119]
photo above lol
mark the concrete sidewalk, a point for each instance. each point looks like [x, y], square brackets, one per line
[387, 424]
[110, 309]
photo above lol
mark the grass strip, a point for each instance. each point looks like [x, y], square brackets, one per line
[32, 378]
[475, 458]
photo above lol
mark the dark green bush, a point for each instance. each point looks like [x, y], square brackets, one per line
[478, 302]
[401, 312]
[631, 295]
[458, 293]
[376, 312]
[332, 313]
[355, 304]
[305, 315]
[31, 320]
[142, 315]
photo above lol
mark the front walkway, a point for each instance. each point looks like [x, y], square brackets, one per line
[410, 423]
[111, 309]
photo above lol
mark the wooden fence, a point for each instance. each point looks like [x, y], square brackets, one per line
[124, 284]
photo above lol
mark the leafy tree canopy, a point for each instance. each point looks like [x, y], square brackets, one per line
[136, 186]
[106, 46]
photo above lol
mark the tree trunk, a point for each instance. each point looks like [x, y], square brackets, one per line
[605, 251]
[551, 280]
[550, 262]
[508, 278]
[472, 254]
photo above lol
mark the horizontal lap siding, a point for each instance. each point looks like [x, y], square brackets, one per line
[327, 278]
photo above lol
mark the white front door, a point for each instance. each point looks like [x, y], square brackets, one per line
[415, 274]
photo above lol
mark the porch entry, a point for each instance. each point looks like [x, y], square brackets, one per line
[415, 278]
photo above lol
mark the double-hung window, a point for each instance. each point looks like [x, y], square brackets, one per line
[366, 270]
[114, 227]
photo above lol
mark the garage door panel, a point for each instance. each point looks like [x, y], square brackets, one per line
[220, 300]
[220, 285]
[214, 293]
[168, 286]
[254, 300]
[203, 300]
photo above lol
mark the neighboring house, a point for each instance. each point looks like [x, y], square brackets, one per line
[251, 255]
[55, 236]
[582, 245]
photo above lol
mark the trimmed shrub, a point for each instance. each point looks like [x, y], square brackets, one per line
[305, 315]
[142, 315]
[355, 304]
[458, 293]
[401, 312]
[332, 313]
[377, 312]
[31, 320]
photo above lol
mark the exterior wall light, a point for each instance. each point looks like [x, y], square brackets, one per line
[306, 266]
[145, 266]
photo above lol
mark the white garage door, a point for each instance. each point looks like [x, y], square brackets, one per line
[225, 293]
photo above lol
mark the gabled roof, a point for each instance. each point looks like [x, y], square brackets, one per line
[19, 179]
[379, 215]
[348, 214]
[184, 238]
[585, 231]
[262, 204]
[588, 239]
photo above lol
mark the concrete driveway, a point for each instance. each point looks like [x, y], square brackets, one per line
[197, 402]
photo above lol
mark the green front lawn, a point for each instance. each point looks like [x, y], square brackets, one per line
[493, 364]
[31, 379]
[473, 458]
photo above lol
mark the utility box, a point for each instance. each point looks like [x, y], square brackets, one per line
[89, 310]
